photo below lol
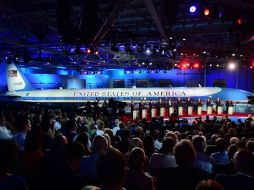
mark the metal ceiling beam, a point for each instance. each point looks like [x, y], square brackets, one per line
[155, 17]
[117, 11]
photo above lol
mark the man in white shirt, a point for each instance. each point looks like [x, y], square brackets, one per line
[5, 134]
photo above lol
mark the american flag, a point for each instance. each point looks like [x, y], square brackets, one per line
[12, 73]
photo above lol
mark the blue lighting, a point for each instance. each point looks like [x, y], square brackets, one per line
[193, 9]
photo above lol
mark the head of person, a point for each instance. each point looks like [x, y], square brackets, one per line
[137, 159]
[199, 143]
[250, 146]
[101, 125]
[185, 153]
[168, 145]
[156, 134]
[136, 142]
[23, 125]
[243, 161]
[234, 140]
[209, 185]
[9, 153]
[232, 149]
[99, 145]
[221, 144]
[111, 168]
[73, 153]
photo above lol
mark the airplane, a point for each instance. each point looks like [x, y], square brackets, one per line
[19, 89]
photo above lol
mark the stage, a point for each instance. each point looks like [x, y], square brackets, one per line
[234, 117]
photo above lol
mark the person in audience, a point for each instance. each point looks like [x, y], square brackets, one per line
[163, 159]
[243, 163]
[136, 179]
[29, 161]
[111, 170]
[88, 163]
[250, 146]
[5, 134]
[221, 157]
[234, 140]
[148, 146]
[202, 161]
[184, 173]
[70, 130]
[209, 185]
[23, 127]
[8, 159]
[83, 138]
[157, 143]
[100, 128]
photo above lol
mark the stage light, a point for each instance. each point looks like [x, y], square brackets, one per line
[252, 64]
[184, 39]
[196, 66]
[150, 63]
[193, 9]
[239, 21]
[148, 51]
[233, 54]
[232, 65]
[88, 51]
[206, 12]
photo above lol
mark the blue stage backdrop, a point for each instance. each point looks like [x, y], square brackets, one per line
[55, 78]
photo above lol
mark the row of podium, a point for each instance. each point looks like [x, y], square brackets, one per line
[180, 112]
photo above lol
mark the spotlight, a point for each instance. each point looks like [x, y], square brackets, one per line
[232, 65]
[239, 21]
[148, 51]
[206, 12]
[252, 64]
[193, 9]
[196, 66]
[88, 51]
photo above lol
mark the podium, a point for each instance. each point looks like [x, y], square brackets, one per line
[230, 110]
[219, 110]
[144, 114]
[135, 114]
[170, 111]
[209, 109]
[190, 110]
[153, 112]
[199, 110]
[162, 112]
[180, 110]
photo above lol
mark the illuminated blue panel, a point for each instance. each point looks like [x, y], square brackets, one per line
[45, 81]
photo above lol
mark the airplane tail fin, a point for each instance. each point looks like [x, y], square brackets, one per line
[16, 80]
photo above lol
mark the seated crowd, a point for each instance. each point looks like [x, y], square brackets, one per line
[68, 149]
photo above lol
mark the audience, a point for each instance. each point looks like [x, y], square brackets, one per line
[70, 148]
